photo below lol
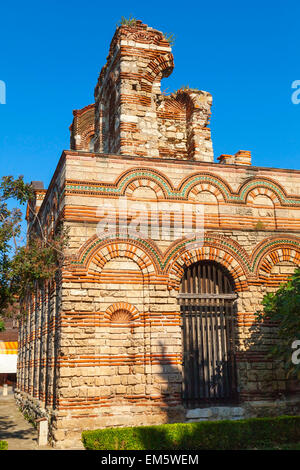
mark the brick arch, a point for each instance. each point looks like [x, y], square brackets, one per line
[158, 181]
[86, 135]
[210, 250]
[83, 123]
[144, 183]
[205, 182]
[121, 312]
[207, 187]
[99, 251]
[263, 212]
[208, 198]
[122, 319]
[275, 257]
[273, 251]
[198, 104]
[261, 191]
[262, 186]
[189, 97]
[160, 67]
[127, 250]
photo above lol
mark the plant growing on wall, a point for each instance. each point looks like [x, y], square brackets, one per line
[259, 225]
[131, 21]
[283, 308]
[170, 38]
[127, 21]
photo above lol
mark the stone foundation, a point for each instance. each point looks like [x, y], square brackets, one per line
[251, 409]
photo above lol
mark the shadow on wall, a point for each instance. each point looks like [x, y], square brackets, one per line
[169, 382]
[262, 376]
[168, 386]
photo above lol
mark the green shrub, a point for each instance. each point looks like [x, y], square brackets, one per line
[3, 445]
[206, 435]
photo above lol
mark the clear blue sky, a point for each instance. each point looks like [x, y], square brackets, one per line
[245, 54]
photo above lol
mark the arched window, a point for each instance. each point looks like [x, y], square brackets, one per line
[123, 345]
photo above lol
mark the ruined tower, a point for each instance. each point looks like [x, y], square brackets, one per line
[133, 117]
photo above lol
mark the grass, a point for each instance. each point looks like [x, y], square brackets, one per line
[291, 446]
[254, 433]
[3, 445]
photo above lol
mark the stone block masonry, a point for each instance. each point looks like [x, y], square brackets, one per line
[102, 345]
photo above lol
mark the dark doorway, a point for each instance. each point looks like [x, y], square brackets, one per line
[208, 307]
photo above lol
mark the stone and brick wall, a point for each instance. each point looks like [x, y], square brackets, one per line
[132, 117]
[82, 129]
[101, 346]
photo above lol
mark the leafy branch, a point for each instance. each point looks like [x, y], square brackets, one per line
[282, 308]
[23, 267]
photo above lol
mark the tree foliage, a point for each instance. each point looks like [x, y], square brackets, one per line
[283, 308]
[24, 263]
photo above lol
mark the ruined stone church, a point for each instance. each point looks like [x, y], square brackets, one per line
[152, 317]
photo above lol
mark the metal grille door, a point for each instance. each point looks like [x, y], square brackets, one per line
[208, 305]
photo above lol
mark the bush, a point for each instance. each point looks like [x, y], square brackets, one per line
[206, 435]
[3, 445]
[282, 308]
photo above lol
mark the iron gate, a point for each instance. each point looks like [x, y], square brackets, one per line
[208, 306]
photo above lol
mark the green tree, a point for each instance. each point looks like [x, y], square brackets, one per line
[283, 308]
[10, 229]
[23, 264]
